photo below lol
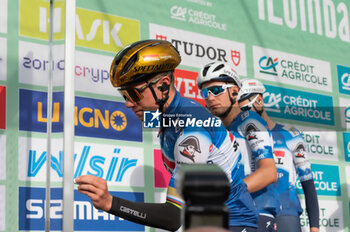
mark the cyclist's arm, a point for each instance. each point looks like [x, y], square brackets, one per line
[303, 168]
[161, 215]
[260, 141]
[311, 203]
[262, 176]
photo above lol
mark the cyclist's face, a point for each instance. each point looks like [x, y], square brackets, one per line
[219, 103]
[147, 102]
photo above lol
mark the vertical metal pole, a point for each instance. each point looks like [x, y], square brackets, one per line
[69, 102]
[49, 124]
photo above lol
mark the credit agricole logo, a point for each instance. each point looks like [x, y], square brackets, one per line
[94, 29]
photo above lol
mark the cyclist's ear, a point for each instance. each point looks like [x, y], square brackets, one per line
[235, 91]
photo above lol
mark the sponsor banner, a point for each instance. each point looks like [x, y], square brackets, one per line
[292, 69]
[3, 58]
[343, 73]
[3, 16]
[201, 2]
[320, 144]
[33, 64]
[326, 178]
[186, 84]
[91, 70]
[344, 112]
[92, 74]
[331, 216]
[31, 214]
[118, 165]
[301, 18]
[2, 208]
[347, 173]
[2, 107]
[3, 157]
[346, 142]
[197, 53]
[298, 105]
[94, 29]
[93, 118]
[197, 17]
[161, 175]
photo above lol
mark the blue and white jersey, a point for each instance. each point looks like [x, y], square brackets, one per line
[207, 143]
[255, 140]
[291, 161]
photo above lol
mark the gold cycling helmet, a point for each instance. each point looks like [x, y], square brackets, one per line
[142, 60]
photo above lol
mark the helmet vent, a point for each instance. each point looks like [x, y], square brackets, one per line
[205, 70]
[218, 67]
[129, 64]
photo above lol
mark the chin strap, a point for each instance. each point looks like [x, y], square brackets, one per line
[258, 111]
[161, 102]
[227, 111]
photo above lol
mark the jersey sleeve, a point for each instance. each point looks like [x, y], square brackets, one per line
[300, 158]
[173, 197]
[192, 146]
[258, 136]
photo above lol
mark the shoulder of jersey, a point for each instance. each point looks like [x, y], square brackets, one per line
[292, 130]
[251, 116]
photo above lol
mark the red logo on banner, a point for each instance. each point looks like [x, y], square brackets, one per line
[2, 107]
[161, 175]
[236, 57]
[186, 84]
[161, 37]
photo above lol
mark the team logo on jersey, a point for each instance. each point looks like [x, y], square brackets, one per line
[251, 129]
[279, 155]
[301, 151]
[191, 146]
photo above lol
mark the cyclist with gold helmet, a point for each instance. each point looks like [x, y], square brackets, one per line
[143, 72]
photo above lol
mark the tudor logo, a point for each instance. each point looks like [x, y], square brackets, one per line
[198, 50]
[236, 57]
[272, 104]
[197, 53]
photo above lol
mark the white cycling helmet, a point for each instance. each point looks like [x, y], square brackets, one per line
[218, 71]
[250, 87]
